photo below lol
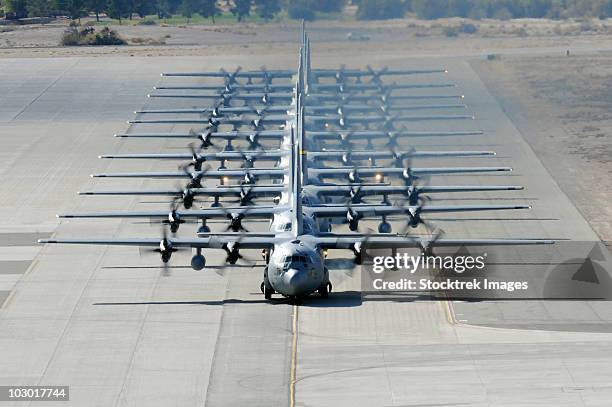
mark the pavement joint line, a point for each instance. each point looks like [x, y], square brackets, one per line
[8, 300]
[293, 373]
[31, 266]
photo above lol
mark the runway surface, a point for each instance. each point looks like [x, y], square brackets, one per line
[105, 322]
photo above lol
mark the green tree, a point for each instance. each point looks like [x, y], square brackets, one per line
[38, 8]
[430, 9]
[266, 9]
[460, 8]
[118, 9]
[76, 9]
[326, 6]
[188, 8]
[209, 9]
[97, 6]
[144, 7]
[301, 10]
[241, 9]
[381, 9]
[19, 7]
[166, 8]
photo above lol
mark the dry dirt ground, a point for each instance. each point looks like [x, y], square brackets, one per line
[392, 36]
[563, 107]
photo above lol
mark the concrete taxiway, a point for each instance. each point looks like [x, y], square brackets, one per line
[105, 322]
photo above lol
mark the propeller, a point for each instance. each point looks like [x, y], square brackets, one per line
[258, 123]
[233, 252]
[376, 75]
[187, 197]
[414, 218]
[267, 79]
[230, 77]
[245, 195]
[174, 219]
[389, 122]
[205, 138]
[359, 248]
[353, 176]
[196, 159]
[195, 178]
[353, 217]
[339, 76]
[346, 158]
[232, 249]
[355, 194]
[428, 245]
[253, 140]
[415, 191]
[165, 250]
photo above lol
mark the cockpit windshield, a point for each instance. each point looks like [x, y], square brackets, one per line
[294, 260]
[286, 227]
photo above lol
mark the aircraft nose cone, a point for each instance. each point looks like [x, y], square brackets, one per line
[296, 281]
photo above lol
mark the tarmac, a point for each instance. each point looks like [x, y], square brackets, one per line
[104, 321]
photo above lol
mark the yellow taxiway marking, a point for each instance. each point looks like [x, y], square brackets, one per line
[449, 311]
[294, 334]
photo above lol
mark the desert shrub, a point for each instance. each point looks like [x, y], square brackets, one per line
[586, 26]
[147, 21]
[519, 32]
[147, 41]
[468, 28]
[70, 37]
[88, 36]
[451, 31]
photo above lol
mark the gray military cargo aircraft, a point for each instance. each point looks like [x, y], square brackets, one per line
[297, 240]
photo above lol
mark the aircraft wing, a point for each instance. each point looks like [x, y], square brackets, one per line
[221, 155]
[374, 134]
[211, 191]
[340, 73]
[201, 174]
[207, 242]
[398, 241]
[384, 210]
[227, 96]
[278, 119]
[371, 171]
[331, 154]
[240, 74]
[231, 135]
[385, 98]
[403, 189]
[248, 211]
[379, 118]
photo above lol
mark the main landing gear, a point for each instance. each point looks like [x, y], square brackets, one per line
[266, 290]
[325, 289]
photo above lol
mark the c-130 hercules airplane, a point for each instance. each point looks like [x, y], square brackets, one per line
[295, 246]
